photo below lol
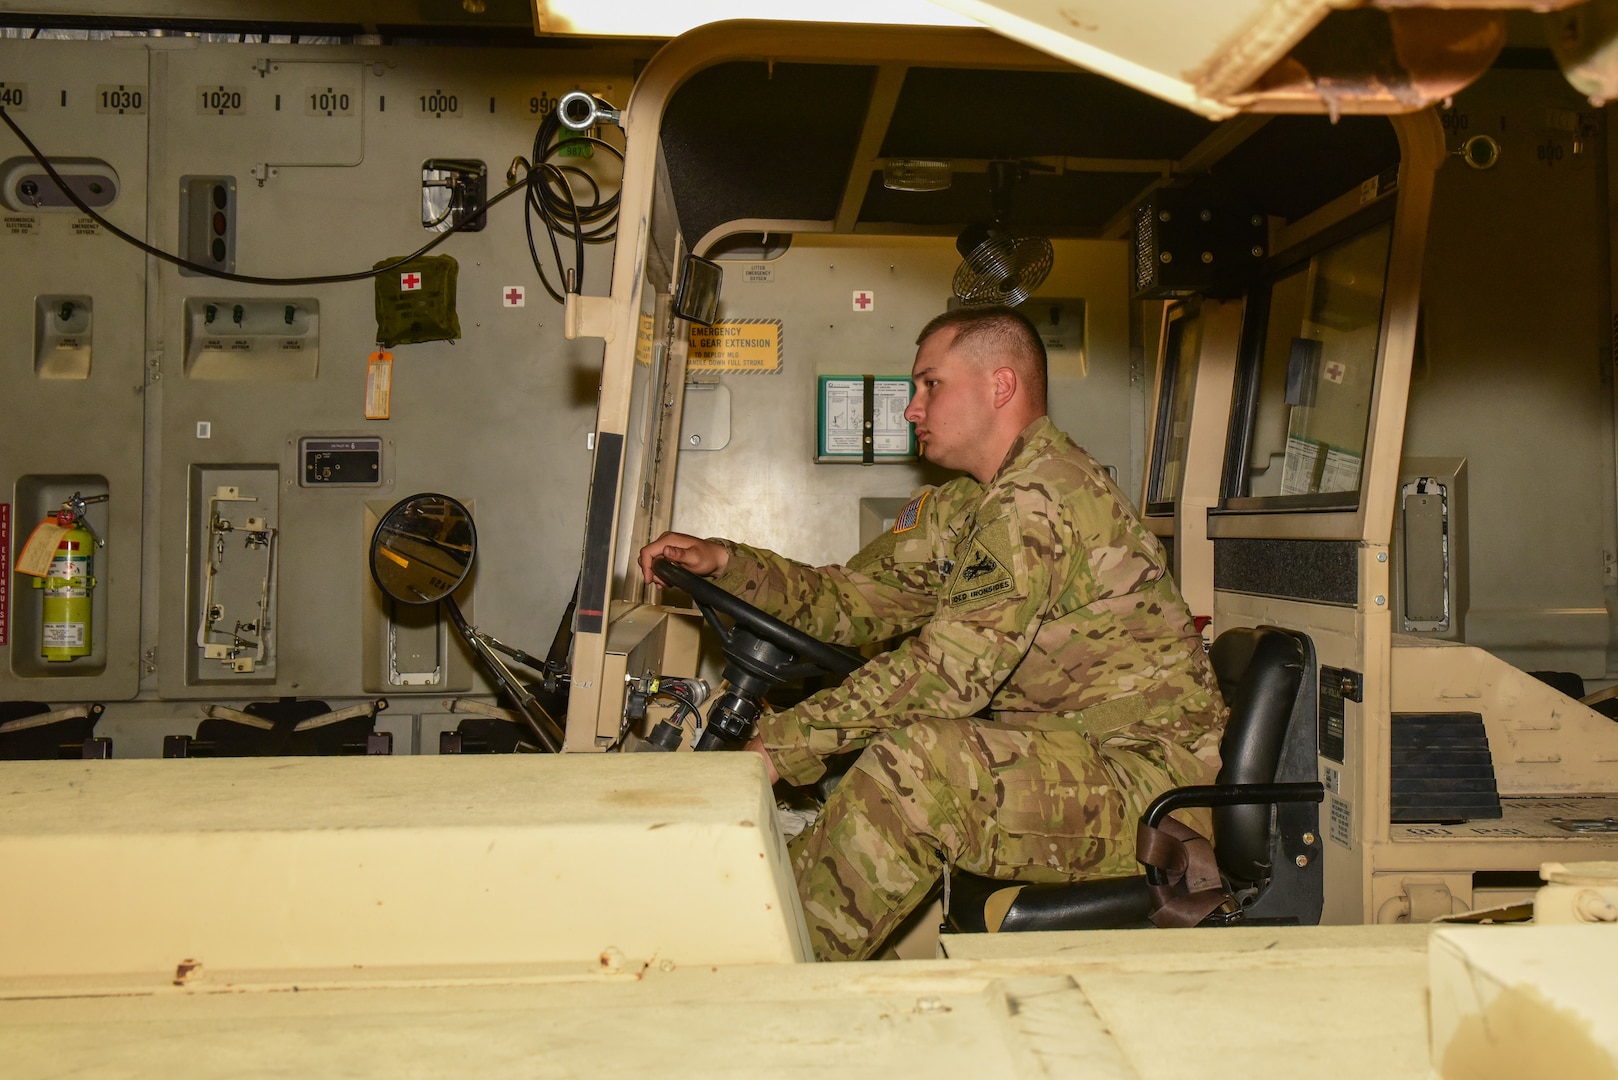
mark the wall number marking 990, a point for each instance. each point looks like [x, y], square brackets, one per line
[14, 96]
[120, 99]
[328, 101]
[438, 104]
[219, 100]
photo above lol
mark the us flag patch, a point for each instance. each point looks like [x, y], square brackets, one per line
[910, 516]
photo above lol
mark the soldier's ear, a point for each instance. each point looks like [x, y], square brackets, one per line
[1005, 386]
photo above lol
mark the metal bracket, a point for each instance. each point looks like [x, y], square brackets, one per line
[587, 316]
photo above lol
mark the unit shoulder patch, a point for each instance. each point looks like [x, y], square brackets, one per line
[910, 516]
[982, 573]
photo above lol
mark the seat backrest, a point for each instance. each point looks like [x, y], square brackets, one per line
[1260, 670]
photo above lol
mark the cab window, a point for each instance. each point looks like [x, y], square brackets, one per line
[1309, 352]
[1182, 341]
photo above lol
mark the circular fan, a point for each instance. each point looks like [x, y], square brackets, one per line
[999, 267]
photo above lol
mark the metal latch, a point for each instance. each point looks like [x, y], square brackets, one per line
[1586, 825]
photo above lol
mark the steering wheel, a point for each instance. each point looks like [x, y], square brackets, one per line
[804, 654]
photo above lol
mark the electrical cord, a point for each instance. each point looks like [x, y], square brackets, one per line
[248, 279]
[551, 198]
[685, 707]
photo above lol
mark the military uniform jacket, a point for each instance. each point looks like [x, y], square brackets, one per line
[1039, 595]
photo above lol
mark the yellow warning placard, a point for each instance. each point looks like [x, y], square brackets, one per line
[643, 340]
[737, 347]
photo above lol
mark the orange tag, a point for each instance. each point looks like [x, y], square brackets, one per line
[379, 386]
[40, 550]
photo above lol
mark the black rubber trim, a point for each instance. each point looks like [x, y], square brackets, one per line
[598, 533]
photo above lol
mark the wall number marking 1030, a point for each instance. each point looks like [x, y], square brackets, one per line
[120, 99]
[437, 104]
[14, 96]
[329, 101]
[219, 100]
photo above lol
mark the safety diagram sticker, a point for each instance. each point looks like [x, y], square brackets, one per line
[737, 347]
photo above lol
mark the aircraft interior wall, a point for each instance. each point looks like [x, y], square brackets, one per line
[764, 486]
[1513, 369]
[176, 386]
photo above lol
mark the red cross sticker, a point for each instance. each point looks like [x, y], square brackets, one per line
[1335, 372]
[864, 300]
[410, 282]
[513, 296]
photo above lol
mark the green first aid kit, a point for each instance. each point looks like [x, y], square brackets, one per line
[415, 301]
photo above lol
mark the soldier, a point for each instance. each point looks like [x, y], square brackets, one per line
[1038, 600]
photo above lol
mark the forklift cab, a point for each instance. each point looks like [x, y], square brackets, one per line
[1272, 265]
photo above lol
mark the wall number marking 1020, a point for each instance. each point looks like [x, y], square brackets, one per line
[219, 100]
[14, 96]
[329, 101]
[437, 104]
[120, 99]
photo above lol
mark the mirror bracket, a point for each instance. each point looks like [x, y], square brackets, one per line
[588, 317]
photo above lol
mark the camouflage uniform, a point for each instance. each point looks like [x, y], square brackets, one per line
[1039, 597]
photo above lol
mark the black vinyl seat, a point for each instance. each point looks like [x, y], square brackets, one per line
[1265, 810]
[33, 731]
[287, 727]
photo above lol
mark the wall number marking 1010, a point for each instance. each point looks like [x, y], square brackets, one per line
[14, 96]
[219, 100]
[120, 99]
[329, 101]
[437, 104]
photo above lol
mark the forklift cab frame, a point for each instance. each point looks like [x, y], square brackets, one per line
[1320, 565]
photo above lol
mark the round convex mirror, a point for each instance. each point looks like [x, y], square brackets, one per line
[422, 550]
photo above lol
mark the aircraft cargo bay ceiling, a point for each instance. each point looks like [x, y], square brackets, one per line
[807, 147]
[1214, 58]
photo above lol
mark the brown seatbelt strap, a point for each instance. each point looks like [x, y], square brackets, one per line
[1195, 888]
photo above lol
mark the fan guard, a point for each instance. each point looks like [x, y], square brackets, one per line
[1003, 269]
[998, 267]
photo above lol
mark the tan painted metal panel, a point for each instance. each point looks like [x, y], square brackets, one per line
[275, 863]
[1244, 1002]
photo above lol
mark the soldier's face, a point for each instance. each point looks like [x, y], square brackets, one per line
[952, 405]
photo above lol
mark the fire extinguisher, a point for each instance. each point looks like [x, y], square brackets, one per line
[67, 633]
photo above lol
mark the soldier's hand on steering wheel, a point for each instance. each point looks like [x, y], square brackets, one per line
[702, 557]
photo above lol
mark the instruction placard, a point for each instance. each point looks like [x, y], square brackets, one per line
[737, 347]
[842, 421]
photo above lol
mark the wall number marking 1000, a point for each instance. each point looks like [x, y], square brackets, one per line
[14, 95]
[120, 99]
[438, 104]
[219, 100]
[328, 101]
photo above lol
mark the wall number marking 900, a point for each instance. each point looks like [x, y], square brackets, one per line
[328, 101]
[219, 100]
[120, 99]
[438, 104]
[14, 95]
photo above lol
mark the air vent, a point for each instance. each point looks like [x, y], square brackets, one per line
[1441, 769]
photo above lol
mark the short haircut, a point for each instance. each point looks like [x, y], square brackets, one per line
[997, 334]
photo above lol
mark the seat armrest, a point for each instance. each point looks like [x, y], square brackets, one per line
[1198, 795]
